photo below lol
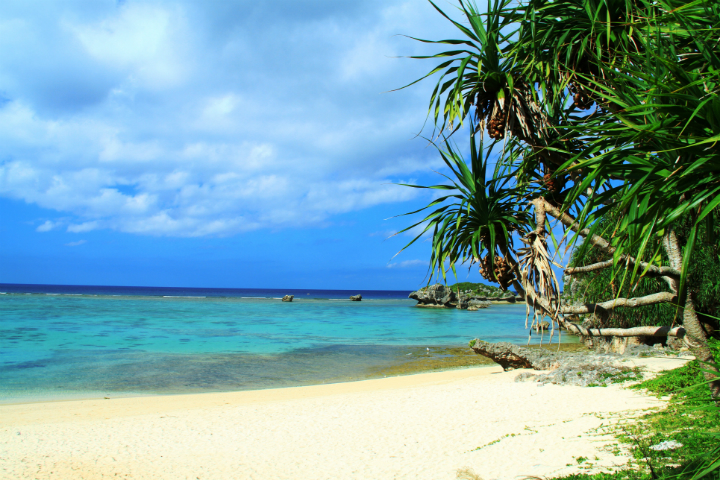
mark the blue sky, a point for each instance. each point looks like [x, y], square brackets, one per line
[213, 144]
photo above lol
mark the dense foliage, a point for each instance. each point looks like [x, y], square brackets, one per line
[598, 286]
[591, 107]
[597, 105]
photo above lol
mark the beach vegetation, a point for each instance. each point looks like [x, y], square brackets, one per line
[622, 375]
[703, 280]
[592, 125]
[479, 289]
[680, 441]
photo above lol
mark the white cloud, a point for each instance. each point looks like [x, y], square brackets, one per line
[47, 226]
[144, 40]
[408, 264]
[75, 244]
[83, 227]
[212, 118]
[383, 233]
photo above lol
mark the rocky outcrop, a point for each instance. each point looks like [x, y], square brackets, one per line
[511, 356]
[462, 303]
[288, 298]
[439, 295]
[581, 368]
[356, 298]
[435, 295]
[508, 299]
[542, 326]
[477, 304]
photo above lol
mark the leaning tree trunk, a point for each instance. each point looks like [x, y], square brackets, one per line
[691, 330]
[695, 336]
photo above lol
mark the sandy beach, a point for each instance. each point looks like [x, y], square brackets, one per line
[424, 426]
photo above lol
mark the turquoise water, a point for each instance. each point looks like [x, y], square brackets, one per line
[62, 346]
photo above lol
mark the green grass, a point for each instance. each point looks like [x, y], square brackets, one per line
[690, 418]
[625, 375]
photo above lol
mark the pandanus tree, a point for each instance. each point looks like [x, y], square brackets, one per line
[594, 106]
[475, 221]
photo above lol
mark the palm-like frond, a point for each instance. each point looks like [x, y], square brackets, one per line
[660, 131]
[480, 77]
[620, 99]
[476, 220]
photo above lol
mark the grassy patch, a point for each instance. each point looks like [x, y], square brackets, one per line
[681, 441]
[624, 375]
[673, 381]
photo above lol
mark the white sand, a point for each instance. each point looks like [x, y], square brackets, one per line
[424, 426]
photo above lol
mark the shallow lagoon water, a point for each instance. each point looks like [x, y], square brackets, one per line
[55, 346]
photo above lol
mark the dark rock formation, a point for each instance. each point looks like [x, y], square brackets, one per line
[434, 295]
[542, 326]
[462, 302]
[511, 356]
[288, 298]
[356, 298]
[474, 302]
[440, 296]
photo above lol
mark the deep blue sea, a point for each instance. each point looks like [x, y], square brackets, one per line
[60, 342]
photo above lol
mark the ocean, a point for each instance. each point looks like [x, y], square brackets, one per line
[61, 342]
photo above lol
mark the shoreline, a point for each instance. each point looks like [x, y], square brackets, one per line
[143, 404]
[440, 358]
[427, 425]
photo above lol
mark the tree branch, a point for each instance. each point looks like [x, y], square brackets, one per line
[655, 298]
[540, 216]
[652, 272]
[629, 332]
[588, 268]
[537, 302]
[695, 333]
[604, 245]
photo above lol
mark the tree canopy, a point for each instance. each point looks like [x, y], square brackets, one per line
[586, 107]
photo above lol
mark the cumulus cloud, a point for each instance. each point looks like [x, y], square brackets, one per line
[211, 118]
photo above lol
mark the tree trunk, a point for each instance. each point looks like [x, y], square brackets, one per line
[695, 337]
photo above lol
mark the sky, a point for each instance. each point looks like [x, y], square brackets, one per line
[215, 144]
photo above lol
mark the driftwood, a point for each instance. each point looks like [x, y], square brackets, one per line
[511, 356]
